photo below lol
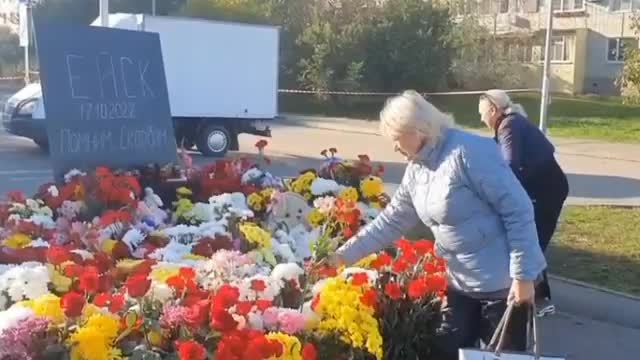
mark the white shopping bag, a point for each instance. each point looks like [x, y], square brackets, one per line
[494, 349]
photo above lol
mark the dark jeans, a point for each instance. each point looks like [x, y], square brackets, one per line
[465, 320]
[548, 190]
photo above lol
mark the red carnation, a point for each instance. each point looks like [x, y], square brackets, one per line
[222, 321]
[137, 285]
[258, 285]
[72, 304]
[263, 305]
[382, 260]
[360, 278]
[309, 352]
[369, 298]
[392, 289]
[244, 307]
[89, 280]
[117, 303]
[190, 350]
[102, 299]
[417, 289]
[226, 297]
[423, 247]
[56, 255]
[72, 270]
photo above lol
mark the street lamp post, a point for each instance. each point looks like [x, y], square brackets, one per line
[546, 77]
[153, 7]
[104, 13]
[25, 36]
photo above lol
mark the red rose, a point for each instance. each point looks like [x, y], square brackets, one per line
[89, 280]
[222, 321]
[56, 255]
[72, 270]
[392, 289]
[359, 279]
[72, 304]
[244, 307]
[309, 352]
[417, 289]
[190, 350]
[263, 305]
[258, 285]
[137, 285]
[102, 299]
[117, 303]
[197, 314]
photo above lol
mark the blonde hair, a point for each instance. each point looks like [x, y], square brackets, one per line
[410, 111]
[501, 100]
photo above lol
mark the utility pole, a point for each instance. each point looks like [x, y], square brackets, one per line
[153, 7]
[25, 35]
[546, 77]
[104, 13]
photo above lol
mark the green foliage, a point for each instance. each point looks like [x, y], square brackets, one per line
[630, 77]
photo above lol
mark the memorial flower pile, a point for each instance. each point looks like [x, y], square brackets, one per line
[224, 264]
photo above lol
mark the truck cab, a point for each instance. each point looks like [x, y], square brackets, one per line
[222, 80]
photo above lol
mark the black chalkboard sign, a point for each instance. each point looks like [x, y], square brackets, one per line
[105, 97]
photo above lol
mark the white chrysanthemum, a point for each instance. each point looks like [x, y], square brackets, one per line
[161, 292]
[325, 204]
[13, 316]
[303, 239]
[235, 204]
[53, 191]
[321, 186]
[45, 221]
[28, 280]
[289, 271]
[226, 266]
[174, 252]
[272, 288]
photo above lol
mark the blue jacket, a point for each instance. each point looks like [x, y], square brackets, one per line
[523, 146]
[481, 217]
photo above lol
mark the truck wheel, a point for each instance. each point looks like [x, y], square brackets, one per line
[214, 141]
[43, 145]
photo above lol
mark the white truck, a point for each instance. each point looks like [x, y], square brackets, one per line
[222, 80]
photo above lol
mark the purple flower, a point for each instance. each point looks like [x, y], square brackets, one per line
[25, 339]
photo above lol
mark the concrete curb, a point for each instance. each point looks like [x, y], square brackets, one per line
[593, 302]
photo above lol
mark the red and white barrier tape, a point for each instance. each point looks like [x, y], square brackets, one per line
[357, 93]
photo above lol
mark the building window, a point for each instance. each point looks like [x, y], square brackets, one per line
[567, 5]
[625, 5]
[617, 46]
[560, 48]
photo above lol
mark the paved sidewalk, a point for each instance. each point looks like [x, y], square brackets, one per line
[598, 172]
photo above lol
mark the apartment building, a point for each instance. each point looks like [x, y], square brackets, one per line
[588, 43]
[9, 16]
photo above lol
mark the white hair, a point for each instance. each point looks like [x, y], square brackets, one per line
[501, 100]
[409, 112]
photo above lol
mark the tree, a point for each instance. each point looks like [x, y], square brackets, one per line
[409, 46]
[630, 77]
[10, 52]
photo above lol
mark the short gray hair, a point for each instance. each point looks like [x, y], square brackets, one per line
[410, 111]
[501, 100]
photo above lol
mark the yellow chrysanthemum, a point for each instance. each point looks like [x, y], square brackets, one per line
[255, 201]
[184, 191]
[366, 261]
[256, 235]
[266, 193]
[349, 193]
[94, 340]
[155, 338]
[292, 348]
[108, 245]
[17, 241]
[341, 311]
[371, 187]
[47, 305]
[162, 273]
[60, 282]
[315, 217]
[302, 184]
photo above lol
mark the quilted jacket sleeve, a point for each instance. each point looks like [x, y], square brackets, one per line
[391, 223]
[495, 183]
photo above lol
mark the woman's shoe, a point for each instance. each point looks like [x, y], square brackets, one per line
[545, 307]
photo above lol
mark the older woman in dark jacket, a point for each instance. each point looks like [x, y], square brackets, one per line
[531, 157]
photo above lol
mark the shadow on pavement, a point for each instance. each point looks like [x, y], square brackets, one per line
[603, 186]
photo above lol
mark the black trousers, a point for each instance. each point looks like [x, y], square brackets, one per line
[465, 320]
[548, 189]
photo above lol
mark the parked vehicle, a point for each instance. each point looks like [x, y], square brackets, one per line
[222, 80]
